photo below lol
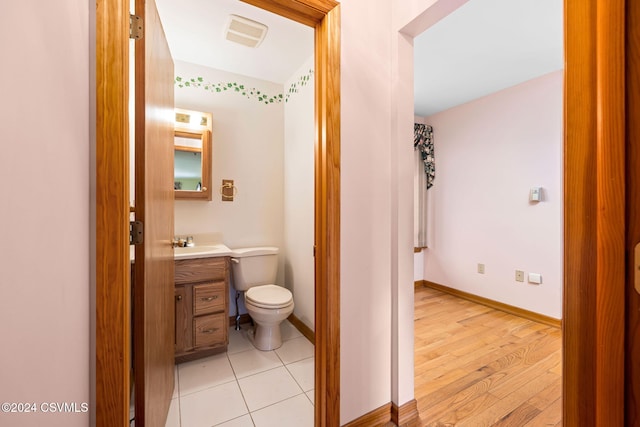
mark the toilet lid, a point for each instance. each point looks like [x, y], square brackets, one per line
[269, 296]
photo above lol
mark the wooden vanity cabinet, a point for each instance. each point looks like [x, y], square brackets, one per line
[201, 304]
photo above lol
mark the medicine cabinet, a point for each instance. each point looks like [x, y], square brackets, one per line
[192, 155]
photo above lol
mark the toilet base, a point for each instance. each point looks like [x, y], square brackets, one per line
[266, 335]
[266, 338]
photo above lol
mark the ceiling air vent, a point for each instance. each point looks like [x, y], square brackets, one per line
[245, 31]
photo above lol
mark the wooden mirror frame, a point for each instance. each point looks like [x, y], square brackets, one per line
[205, 136]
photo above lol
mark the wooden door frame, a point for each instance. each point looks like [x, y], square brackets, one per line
[632, 90]
[594, 222]
[112, 305]
[112, 295]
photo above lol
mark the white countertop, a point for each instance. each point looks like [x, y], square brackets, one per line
[202, 251]
[206, 246]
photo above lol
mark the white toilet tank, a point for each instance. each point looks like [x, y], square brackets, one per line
[254, 267]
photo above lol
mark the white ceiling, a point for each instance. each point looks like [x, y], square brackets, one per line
[482, 47]
[195, 32]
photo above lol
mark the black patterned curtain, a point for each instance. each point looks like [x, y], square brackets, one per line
[423, 141]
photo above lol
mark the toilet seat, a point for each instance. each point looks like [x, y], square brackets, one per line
[269, 296]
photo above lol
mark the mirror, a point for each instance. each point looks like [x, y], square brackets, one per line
[192, 155]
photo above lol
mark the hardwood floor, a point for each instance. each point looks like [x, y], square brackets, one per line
[477, 366]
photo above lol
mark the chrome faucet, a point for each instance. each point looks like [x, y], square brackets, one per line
[182, 242]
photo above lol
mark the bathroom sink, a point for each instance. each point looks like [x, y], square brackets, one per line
[202, 251]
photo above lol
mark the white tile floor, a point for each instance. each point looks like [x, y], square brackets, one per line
[246, 387]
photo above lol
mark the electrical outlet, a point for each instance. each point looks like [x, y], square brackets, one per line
[481, 268]
[519, 276]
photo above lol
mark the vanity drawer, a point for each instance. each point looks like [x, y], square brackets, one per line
[209, 330]
[208, 298]
[201, 269]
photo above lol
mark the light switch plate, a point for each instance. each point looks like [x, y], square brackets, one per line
[227, 190]
[535, 194]
[535, 278]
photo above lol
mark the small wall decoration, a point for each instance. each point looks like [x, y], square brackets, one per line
[240, 89]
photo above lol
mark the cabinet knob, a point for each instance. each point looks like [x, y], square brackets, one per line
[209, 331]
[178, 297]
[207, 299]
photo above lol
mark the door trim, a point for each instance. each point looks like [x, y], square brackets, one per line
[594, 223]
[632, 90]
[112, 304]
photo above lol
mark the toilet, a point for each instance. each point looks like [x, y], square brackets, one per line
[254, 273]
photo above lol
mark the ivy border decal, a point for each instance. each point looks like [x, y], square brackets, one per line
[243, 90]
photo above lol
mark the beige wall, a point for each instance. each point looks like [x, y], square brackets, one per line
[299, 139]
[45, 251]
[366, 208]
[377, 199]
[248, 144]
[511, 141]
[268, 151]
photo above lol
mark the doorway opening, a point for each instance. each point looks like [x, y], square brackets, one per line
[493, 105]
[112, 205]
[261, 103]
